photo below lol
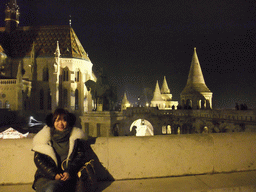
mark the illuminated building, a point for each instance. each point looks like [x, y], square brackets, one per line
[42, 67]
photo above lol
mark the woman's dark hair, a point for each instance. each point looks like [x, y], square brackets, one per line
[69, 117]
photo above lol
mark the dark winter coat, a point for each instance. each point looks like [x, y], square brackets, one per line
[45, 157]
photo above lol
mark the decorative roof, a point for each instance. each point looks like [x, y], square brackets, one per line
[19, 43]
[165, 89]
[157, 94]
[195, 82]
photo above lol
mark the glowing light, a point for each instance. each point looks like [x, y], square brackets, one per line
[12, 134]
[33, 122]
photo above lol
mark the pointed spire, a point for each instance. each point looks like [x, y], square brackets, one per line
[125, 100]
[195, 90]
[57, 52]
[125, 103]
[165, 89]
[195, 72]
[195, 77]
[157, 93]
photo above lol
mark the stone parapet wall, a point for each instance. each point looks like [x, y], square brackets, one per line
[146, 157]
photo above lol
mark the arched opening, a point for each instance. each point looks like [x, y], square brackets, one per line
[188, 104]
[77, 75]
[65, 75]
[166, 129]
[115, 130]
[143, 128]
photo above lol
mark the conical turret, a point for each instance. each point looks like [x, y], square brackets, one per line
[157, 94]
[196, 90]
[165, 89]
[125, 103]
[195, 78]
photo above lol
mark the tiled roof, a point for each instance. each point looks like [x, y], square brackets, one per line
[45, 40]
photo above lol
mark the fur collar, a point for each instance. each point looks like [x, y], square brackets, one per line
[42, 141]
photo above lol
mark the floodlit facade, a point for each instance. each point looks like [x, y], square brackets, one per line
[42, 67]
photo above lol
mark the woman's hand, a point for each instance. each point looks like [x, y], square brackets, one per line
[58, 176]
[65, 176]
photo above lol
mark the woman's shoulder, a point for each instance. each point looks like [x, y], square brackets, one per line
[43, 135]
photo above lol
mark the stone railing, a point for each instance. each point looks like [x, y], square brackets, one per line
[146, 157]
[8, 81]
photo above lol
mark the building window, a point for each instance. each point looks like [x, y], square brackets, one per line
[169, 129]
[65, 74]
[45, 74]
[7, 105]
[41, 99]
[76, 99]
[65, 97]
[49, 98]
[77, 76]
[166, 129]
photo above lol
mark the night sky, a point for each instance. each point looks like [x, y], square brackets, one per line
[138, 42]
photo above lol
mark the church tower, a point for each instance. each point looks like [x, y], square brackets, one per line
[11, 16]
[196, 94]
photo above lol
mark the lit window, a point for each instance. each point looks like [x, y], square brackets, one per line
[163, 129]
[169, 129]
[7, 105]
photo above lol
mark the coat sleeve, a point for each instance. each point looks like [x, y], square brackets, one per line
[45, 165]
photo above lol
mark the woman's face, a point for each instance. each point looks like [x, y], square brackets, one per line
[60, 123]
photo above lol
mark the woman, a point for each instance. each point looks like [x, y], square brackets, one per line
[59, 153]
